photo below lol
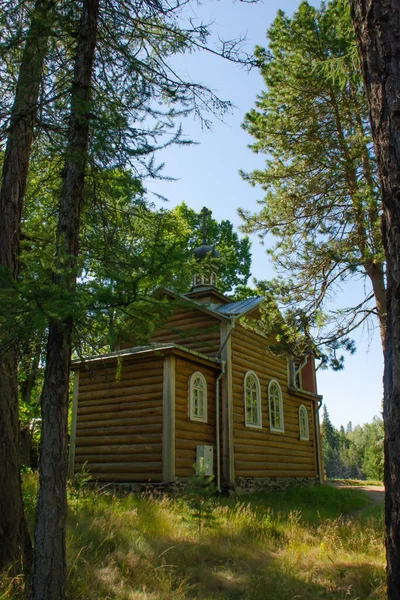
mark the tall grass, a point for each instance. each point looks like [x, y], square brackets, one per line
[281, 546]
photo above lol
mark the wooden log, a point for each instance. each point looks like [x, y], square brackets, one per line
[109, 449]
[278, 444]
[272, 461]
[115, 429]
[120, 458]
[139, 390]
[202, 437]
[103, 372]
[241, 450]
[127, 419]
[123, 416]
[135, 379]
[294, 472]
[127, 401]
[99, 439]
[124, 467]
[127, 477]
[116, 407]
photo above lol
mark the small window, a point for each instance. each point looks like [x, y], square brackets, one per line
[295, 373]
[198, 397]
[275, 406]
[252, 400]
[303, 423]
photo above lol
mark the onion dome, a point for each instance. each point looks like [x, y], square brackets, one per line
[206, 277]
[204, 250]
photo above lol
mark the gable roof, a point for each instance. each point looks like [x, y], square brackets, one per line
[154, 348]
[226, 311]
[241, 307]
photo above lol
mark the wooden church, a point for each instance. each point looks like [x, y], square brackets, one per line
[206, 393]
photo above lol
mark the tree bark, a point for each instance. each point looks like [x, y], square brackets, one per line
[15, 545]
[49, 574]
[377, 29]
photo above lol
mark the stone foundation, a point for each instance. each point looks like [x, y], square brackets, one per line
[252, 485]
[243, 485]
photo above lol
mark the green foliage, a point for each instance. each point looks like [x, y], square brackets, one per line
[290, 543]
[354, 453]
[77, 490]
[234, 263]
[321, 202]
[200, 498]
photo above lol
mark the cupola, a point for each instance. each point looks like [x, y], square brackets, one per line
[206, 276]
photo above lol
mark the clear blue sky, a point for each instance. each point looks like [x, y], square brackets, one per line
[208, 174]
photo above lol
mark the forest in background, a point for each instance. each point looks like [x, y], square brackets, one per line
[352, 452]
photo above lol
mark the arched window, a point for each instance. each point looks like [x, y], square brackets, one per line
[303, 423]
[252, 400]
[198, 397]
[275, 406]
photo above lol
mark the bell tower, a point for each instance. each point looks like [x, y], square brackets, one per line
[206, 276]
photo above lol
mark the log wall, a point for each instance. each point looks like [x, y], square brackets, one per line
[119, 422]
[189, 434]
[260, 452]
[193, 329]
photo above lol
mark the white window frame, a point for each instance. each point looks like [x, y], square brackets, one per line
[292, 365]
[280, 429]
[192, 416]
[306, 434]
[258, 424]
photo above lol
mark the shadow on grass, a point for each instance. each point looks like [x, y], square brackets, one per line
[140, 554]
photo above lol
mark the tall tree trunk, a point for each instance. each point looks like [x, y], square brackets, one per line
[15, 545]
[49, 574]
[377, 29]
[376, 275]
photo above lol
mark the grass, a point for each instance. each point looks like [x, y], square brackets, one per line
[288, 545]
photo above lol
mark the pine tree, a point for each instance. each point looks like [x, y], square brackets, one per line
[15, 544]
[330, 446]
[377, 28]
[321, 194]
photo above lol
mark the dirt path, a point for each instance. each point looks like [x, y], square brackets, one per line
[376, 493]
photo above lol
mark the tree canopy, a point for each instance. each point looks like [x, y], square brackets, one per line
[321, 202]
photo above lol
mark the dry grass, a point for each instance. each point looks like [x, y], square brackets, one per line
[282, 546]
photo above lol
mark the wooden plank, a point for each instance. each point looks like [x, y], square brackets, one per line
[139, 390]
[271, 450]
[125, 467]
[168, 431]
[272, 461]
[106, 429]
[133, 401]
[117, 439]
[117, 457]
[72, 441]
[117, 418]
[138, 380]
[103, 372]
[127, 477]
[119, 448]
[119, 406]
[130, 415]
[289, 472]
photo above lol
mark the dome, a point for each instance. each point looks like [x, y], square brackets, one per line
[202, 251]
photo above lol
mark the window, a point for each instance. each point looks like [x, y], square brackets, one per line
[295, 378]
[303, 423]
[198, 397]
[252, 400]
[275, 406]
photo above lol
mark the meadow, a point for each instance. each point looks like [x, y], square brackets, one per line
[303, 543]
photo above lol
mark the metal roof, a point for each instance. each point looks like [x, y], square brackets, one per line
[241, 307]
[150, 348]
